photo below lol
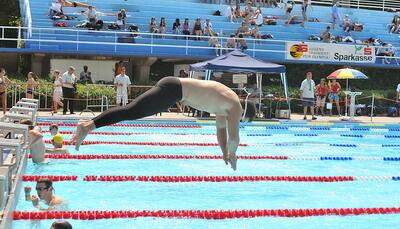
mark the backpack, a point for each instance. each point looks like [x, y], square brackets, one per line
[113, 26]
[266, 36]
[60, 24]
[217, 13]
[314, 38]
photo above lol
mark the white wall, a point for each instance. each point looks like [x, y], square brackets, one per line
[101, 69]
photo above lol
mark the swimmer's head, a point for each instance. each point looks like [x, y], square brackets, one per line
[44, 188]
[249, 111]
[58, 138]
[53, 129]
[27, 122]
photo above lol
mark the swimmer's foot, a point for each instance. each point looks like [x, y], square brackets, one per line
[82, 130]
[226, 158]
[233, 161]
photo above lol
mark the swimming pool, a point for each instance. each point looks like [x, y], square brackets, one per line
[368, 154]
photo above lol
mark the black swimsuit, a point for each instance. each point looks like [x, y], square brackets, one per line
[164, 94]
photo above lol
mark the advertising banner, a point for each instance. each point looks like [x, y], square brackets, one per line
[312, 51]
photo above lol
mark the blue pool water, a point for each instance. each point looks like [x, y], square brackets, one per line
[292, 140]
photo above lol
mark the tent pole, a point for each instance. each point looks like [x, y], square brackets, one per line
[259, 85]
[191, 73]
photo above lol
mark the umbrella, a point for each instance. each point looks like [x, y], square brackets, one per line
[347, 73]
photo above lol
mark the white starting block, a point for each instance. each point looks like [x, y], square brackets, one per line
[13, 130]
[27, 104]
[12, 144]
[30, 100]
[24, 111]
[352, 107]
[16, 118]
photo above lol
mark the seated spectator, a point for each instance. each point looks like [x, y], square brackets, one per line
[61, 224]
[255, 32]
[347, 24]
[153, 26]
[186, 27]
[66, 3]
[44, 189]
[230, 43]
[349, 39]
[242, 45]
[394, 27]
[176, 27]
[387, 51]
[197, 30]
[121, 18]
[56, 11]
[244, 30]
[213, 42]
[232, 14]
[85, 76]
[162, 28]
[258, 17]
[326, 35]
[134, 30]
[207, 27]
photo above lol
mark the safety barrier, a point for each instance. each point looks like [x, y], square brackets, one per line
[202, 157]
[201, 214]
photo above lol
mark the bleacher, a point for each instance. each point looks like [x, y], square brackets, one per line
[81, 40]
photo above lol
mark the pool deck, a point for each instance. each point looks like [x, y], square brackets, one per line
[180, 116]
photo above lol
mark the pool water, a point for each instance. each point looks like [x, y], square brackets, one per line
[262, 139]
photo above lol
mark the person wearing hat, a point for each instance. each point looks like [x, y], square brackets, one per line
[307, 95]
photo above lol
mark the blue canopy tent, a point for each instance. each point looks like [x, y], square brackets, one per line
[237, 61]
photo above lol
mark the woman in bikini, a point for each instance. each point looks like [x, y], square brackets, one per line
[3, 86]
[30, 87]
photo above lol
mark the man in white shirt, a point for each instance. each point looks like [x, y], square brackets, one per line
[307, 94]
[122, 82]
[69, 80]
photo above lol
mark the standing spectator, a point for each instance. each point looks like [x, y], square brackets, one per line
[162, 26]
[258, 18]
[176, 27]
[326, 35]
[232, 14]
[254, 95]
[91, 14]
[307, 95]
[213, 42]
[57, 91]
[61, 224]
[117, 67]
[85, 76]
[186, 27]
[242, 43]
[334, 91]
[30, 87]
[288, 12]
[322, 92]
[121, 18]
[122, 82]
[68, 89]
[335, 14]
[394, 27]
[44, 189]
[3, 88]
[197, 30]
[304, 7]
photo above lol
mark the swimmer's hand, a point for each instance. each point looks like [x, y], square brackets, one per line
[233, 161]
[82, 130]
[225, 156]
[35, 201]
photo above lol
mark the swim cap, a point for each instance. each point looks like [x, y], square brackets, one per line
[58, 138]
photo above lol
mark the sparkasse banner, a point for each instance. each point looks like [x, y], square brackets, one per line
[312, 51]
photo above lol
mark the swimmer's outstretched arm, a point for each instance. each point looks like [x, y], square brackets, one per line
[83, 129]
[228, 137]
[222, 137]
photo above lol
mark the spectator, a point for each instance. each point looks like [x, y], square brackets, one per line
[91, 13]
[242, 45]
[44, 189]
[162, 26]
[321, 91]
[213, 42]
[349, 38]
[272, 3]
[68, 89]
[57, 91]
[335, 14]
[258, 18]
[244, 30]
[387, 51]
[249, 11]
[61, 224]
[232, 14]
[347, 24]
[85, 76]
[394, 27]
[334, 91]
[66, 3]
[176, 27]
[153, 26]
[304, 7]
[208, 30]
[121, 18]
[326, 35]
[182, 74]
[255, 32]
[134, 30]
[117, 67]
[122, 82]
[3, 86]
[231, 43]
[30, 86]
[254, 94]
[307, 95]
[197, 30]
[186, 27]
[288, 12]
[56, 11]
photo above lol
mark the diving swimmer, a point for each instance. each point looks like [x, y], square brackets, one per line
[209, 96]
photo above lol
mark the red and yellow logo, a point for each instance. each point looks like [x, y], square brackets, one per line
[297, 51]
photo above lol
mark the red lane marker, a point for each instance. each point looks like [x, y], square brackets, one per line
[111, 156]
[201, 214]
[219, 178]
[144, 143]
[133, 133]
[124, 125]
[53, 178]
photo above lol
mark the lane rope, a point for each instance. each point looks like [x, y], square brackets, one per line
[144, 143]
[124, 125]
[201, 214]
[214, 178]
